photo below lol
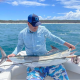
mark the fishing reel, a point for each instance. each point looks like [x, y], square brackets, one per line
[76, 59]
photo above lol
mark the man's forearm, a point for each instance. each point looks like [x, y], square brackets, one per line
[69, 45]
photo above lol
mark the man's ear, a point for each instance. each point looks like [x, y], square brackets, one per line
[28, 23]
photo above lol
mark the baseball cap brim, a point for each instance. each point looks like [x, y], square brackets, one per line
[36, 24]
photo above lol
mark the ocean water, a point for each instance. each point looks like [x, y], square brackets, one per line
[68, 32]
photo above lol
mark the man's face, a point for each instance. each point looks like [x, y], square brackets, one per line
[34, 29]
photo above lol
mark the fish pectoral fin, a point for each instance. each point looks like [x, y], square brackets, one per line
[8, 60]
[73, 52]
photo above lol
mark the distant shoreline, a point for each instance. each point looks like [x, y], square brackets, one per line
[42, 21]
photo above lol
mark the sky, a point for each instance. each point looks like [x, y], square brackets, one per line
[45, 9]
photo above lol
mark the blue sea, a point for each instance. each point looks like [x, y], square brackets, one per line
[68, 32]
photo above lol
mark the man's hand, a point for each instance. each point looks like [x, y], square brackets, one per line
[11, 55]
[69, 45]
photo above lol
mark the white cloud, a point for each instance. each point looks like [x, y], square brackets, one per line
[73, 4]
[15, 3]
[69, 16]
[32, 3]
[53, 5]
[28, 3]
[48, 18]
[41, 18]
[61, 13]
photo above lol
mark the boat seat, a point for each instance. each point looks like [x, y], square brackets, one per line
[69, 65]
[12, 72]
[5, 75]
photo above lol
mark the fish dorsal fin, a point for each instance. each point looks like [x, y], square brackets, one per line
[53, 47]
[52, 50]
[2, 52]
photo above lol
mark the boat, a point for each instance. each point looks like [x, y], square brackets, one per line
[18, 72]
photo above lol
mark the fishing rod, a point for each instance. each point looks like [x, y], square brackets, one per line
[77, 44]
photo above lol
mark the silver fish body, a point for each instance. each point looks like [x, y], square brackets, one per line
[54, 59]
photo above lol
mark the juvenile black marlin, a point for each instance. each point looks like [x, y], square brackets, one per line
[32, 59]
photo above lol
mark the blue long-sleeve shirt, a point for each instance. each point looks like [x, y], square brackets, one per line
[35, 42]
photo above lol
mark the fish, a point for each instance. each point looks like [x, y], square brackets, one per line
[46, 60]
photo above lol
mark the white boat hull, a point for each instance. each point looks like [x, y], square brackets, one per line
[18, 72]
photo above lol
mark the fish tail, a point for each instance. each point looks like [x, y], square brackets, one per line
[4, 57]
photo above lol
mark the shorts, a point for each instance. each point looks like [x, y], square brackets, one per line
[57, 72]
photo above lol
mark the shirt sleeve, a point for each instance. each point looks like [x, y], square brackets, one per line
[52, 37]
[19, 45]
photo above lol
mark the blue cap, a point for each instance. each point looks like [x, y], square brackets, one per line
[34, 20]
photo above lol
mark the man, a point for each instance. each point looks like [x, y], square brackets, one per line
[34, 39]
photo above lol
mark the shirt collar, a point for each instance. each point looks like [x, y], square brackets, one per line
[29, 31]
